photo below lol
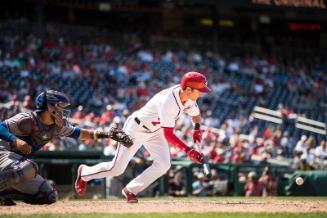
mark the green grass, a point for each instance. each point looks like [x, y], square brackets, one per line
[176, 215]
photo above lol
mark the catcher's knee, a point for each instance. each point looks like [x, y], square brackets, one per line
[26, 169]
[22, 171]
[47, 194]
[8, 178]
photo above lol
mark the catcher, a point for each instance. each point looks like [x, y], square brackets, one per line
[24, 134]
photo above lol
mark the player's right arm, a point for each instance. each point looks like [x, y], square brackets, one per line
[5, 134]
[21, 145]
[167, 114]
[175, 141]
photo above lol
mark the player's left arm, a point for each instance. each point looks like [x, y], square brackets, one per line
[114, 133]
[87, 134]
[196, 119]
[194, 112]
[197, 135]
[83, 134]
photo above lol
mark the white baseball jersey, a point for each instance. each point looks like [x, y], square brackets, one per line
[163, 109]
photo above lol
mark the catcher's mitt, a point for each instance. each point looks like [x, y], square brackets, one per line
[119, 135]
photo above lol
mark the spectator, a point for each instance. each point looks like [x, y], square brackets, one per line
[321, 156]
[176, 185]
[55, 145]
[201, 186]
[301, 145]
[252, 186]
[28, 104]
[268, 182]
[321, 150]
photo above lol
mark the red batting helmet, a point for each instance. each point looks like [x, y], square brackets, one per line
[195, 80]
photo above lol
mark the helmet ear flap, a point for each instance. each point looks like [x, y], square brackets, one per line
[44, 105]
[42, 101]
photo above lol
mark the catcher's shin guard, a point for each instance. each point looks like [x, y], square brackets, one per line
[47, 194]
[8, 178]
[22, 171]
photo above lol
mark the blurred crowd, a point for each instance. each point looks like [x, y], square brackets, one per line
[108, 81]
[253, 185]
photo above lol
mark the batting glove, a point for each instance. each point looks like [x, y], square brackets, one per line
[197, 136]
[195, 156]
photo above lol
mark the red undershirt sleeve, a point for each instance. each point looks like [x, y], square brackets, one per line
[174, 140]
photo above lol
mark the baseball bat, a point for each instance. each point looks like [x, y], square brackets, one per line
[205, 165]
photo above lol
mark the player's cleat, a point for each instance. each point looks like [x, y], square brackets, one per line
[131, 198]
[7, 202]
[80, 185]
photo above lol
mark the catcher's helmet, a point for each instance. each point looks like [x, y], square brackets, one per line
[55, 102]
[195, 80]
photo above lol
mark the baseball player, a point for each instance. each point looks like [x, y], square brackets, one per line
[26, 133]
[153, 126]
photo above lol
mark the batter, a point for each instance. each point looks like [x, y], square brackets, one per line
[153, 126]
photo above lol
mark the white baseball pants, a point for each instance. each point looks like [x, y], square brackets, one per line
[156, 145]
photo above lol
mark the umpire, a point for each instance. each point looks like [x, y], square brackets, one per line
[26, 133]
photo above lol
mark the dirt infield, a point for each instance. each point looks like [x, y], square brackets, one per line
[172, 206]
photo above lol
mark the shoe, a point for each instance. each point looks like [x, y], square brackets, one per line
[80, 185]
[131, 198]
[7, 202]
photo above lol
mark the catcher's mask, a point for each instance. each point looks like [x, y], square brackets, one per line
[56, 103]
